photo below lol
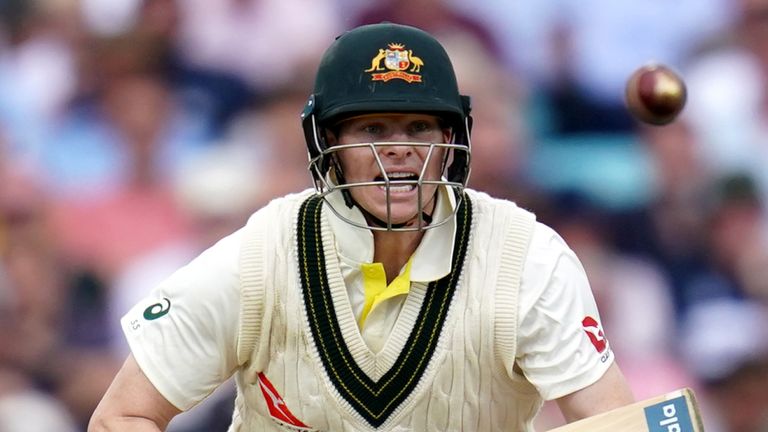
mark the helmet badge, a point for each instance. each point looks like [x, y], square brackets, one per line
[398, 63]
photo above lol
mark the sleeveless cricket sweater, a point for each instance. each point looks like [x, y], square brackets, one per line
[448, 364]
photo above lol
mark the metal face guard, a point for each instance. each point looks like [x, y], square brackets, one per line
[332, 182]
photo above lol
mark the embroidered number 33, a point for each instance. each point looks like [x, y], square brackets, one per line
[157, 310]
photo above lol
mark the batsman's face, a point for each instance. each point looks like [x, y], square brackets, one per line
[404, 162]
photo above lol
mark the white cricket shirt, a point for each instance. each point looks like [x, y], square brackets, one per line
[184, 335]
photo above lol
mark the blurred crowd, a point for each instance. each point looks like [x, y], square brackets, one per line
[134, 133]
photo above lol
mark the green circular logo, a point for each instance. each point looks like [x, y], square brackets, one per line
[157, 310]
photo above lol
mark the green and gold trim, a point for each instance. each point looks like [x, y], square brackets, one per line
[375, 401]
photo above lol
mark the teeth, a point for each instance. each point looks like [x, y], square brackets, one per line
[395, 189]
[400, 175]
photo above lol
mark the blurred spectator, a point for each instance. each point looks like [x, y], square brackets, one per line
[735, 232]
[37, 70]
[264, 42]
[272, 130]
[210, 95]
[438, 17]
[125, 121]
[113, 157]
[31, 271]
[523, 31]
[24, 345]
[728, 104]
[500, 137]
[670, 229]
[41, 317]
[725, 344]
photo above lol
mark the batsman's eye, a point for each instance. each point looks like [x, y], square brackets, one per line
[421, 127]
[372, 129]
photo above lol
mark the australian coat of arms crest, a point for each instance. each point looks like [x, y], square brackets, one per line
[395, 62]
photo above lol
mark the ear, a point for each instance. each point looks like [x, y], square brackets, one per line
[330, 137]
[447, 135]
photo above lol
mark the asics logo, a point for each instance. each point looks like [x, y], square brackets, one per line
[157, 310]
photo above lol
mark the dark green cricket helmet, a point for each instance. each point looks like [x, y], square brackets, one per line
[385, 68]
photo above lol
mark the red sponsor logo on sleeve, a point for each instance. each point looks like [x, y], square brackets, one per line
[595, 333]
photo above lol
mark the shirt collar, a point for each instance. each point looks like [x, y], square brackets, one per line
[432, 258]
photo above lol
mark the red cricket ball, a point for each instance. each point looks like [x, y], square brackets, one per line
[655, 94]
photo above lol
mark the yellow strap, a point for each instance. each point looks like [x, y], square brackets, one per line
[376, 289]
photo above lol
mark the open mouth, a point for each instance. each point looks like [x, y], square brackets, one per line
[399, 182]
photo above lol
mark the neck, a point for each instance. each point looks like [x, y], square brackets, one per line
[393, 249]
